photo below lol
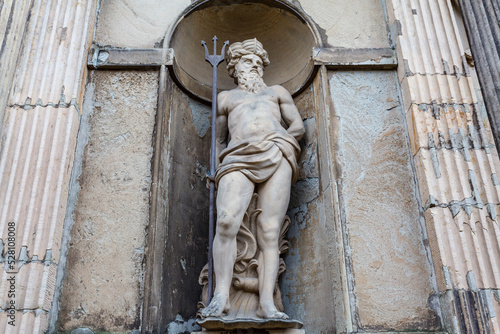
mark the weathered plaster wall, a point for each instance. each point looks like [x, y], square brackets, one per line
[390, 270]
[136, 23]
[102, 288]
[349, 24]
[144, 23]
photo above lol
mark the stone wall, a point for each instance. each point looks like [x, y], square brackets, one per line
[391, 271]
[104, 281]
[130, 162]
[351, 233]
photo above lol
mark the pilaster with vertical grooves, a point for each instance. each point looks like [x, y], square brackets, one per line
[36, 153]
[456, 160]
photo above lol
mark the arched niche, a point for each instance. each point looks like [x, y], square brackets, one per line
[178, 232]
[286, 33]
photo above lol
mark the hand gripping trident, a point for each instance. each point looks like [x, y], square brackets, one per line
[214, 60]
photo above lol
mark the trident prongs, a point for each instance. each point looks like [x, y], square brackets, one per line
[214, 60]
[206, 50]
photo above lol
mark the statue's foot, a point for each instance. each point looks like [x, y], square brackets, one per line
[217, 306]
[269, 311]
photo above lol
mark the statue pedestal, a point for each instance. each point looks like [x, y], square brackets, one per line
[254, 331]
[220, 325]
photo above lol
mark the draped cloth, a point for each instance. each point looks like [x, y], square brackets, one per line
[259, 160]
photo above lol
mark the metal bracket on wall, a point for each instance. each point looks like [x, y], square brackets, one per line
[128, 59]
[356, 59]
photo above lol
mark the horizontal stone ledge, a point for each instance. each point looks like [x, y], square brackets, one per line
[125, 58]
[332, 58]
[357, 59]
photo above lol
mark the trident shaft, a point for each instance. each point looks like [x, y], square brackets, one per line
[214, 60]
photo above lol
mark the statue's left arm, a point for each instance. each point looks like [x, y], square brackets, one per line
[289, 113]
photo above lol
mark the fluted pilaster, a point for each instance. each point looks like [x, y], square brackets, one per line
[37, 150]
[455, 157]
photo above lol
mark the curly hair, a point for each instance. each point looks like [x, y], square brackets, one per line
[239, 49]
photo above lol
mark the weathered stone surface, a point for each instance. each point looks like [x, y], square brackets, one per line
[347, 24]
[13, 16]
[186, 217]
[141, 24]
[138, 24]
[465, 241]
[104, 268]
[391, 275]
[307, 285]
[483, 42]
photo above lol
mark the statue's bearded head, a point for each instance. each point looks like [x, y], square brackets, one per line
[246, 61]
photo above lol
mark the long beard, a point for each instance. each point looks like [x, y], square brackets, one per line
[251, 82]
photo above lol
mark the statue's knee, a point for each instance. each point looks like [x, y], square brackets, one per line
[226, 224]
[270, 236]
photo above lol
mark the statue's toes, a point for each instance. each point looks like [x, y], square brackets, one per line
[212, 310]
[283, 316]
[279, 315]
[205, 312]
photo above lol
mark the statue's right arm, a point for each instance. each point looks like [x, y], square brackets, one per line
[221, 132]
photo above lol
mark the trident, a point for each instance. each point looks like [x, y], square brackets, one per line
[214, 60]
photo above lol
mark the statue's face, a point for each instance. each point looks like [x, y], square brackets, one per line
[250, 65]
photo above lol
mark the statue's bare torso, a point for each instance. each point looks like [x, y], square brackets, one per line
[251, 116]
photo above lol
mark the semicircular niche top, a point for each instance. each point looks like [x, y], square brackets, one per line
[285, 33]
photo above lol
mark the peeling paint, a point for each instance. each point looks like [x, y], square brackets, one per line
[304, 191]
[466, 204]
[475, 189]
[201, 116]
[24, 258]
[406, 67]
[446, 67]
[181, 326]
[486, 297]
[494, 179]
[471, 281]
[491, 211]
[59, 104]
[447, 278]
[201, 171]
[496, 295]
[435, 161]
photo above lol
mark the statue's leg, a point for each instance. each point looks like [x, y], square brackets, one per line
[234, 193]
[274, 196]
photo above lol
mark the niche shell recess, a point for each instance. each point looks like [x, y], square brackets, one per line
[285, 33]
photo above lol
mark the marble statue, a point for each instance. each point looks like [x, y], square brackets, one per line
[258, 129]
